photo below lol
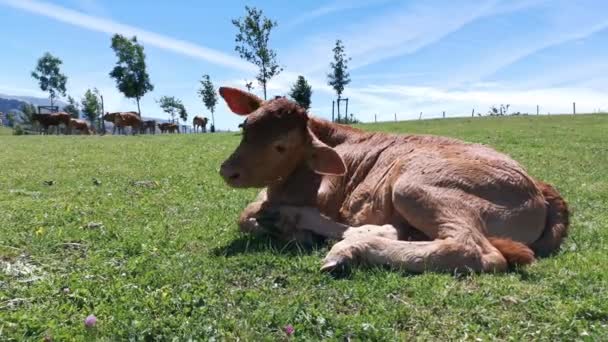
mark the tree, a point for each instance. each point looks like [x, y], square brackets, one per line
[91, 106]
[252, 44]
[209, 96]
[27, 114]
[249, 85]
[173, 107]
[301, 92]
[339, 77]
[102, 125]
[72, 108]
[49, 76]
[130, 73]
[10, 119]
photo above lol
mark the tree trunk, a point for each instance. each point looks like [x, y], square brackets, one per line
[212, 118]
[339, 109]
[52, 102]
[264, 86]
[138, 110]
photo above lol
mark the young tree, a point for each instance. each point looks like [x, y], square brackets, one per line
[27, 113]
[301, 92]
[130, 73]
[49, 76]
[102, 125]
[339, 77]
[249, 85]
[252, 44]
[209, 96]
[173, 107]
[91, 106]
[72, 108]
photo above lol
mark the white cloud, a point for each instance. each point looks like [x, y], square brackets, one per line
[111, 27]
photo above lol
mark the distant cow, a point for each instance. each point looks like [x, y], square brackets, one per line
[201, 122]
[81, 126]
[168, 127]
[53, 119]
[123, 119]
[148, 125]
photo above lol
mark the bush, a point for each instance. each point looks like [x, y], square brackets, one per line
[18, 130]
[348, 120]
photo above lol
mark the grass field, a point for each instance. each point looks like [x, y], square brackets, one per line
[140, 231]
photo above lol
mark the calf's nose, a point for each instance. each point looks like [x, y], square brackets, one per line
[229, 172]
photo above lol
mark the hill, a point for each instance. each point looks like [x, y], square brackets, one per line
[140, 231]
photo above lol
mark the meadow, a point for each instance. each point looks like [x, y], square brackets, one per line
[140, 232]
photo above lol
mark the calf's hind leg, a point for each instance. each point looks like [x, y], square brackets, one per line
[450, 217]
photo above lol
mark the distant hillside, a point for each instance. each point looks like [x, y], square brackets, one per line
[10, 105]
[17, 101]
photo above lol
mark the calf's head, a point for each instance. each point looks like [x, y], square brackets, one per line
[276, 140]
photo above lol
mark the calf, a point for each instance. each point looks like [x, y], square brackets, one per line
[200, 122]
[148, 125]
[168, 127]
[81, 126]
[52, 119]
[122, 120]
[416, 202]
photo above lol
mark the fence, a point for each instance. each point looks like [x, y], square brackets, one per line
[500, 111]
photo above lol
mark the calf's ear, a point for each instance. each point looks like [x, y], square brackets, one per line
[323, 159]
[240, 102]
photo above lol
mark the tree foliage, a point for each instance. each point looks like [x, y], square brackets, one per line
[49, 76]
[249, 85]
[27, 113]
[339, 76]
[173, 107]
[208, 95]
[301, 92]
[72, 108]
[252, 44]
[130, 72]
[91, 106]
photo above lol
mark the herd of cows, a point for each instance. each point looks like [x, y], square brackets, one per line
[120, 120]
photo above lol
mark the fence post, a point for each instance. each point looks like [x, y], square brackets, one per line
[573, 108]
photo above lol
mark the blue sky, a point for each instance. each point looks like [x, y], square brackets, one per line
[407, 56]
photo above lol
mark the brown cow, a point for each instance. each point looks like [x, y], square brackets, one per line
[477, 209]
[200, 122]
[168, 127]
[53, 119]
[81, 126]
[122, 120]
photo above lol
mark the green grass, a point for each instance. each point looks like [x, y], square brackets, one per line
[163, 259]
[5, 130]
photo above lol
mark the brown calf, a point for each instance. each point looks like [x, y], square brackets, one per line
[81, 126]
[53, 119]
[122, 120]
[467, 206]
[200, 122]
[168, 127]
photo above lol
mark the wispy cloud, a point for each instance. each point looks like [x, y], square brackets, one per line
[400, 30]
[85, 21]
[331, 8]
